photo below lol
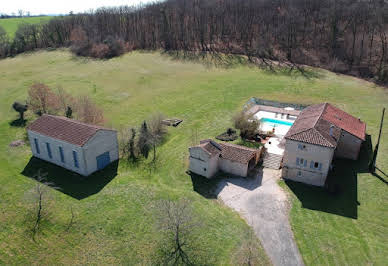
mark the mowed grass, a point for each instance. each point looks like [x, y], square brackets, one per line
[117, 225]
[11, 24]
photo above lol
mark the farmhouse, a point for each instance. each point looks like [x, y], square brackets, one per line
[209, 157]
[320, 133]
[76, 146]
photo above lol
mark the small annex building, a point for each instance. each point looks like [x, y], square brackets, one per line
[76, 146]
[320, 133]
[209, 157]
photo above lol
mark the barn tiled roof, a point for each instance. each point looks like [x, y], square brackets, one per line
[315, 122]
[237, 153]
[210, 146]
[64, 129]
[345, 121]
[228, 151]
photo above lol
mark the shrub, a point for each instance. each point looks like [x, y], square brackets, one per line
[247, 125]
[100, 51]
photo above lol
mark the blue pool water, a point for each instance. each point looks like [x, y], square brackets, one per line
[276, 122]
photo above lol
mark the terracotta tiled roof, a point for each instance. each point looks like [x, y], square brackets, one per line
[345, 121]
[316, 125]
[211, 147]
[228, 151]
[64, 129]
[237, 153]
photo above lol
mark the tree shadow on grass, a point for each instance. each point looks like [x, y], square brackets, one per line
[68, 182]
[341, 181]
[18, 123]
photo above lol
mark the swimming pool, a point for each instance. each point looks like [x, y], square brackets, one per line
[274, 122]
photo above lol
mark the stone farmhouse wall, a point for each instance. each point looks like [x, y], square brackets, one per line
[202, 163]
[348, 146]
[305, 171]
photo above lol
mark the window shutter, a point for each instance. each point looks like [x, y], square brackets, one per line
[37, 146]
[312, 164]
[320, 166]
[305, 163]
[297, 161]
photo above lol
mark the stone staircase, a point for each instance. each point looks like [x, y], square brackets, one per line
[272, 160]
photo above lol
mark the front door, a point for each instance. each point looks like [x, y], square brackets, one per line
[103, 160]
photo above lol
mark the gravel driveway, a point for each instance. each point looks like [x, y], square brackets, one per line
[263, 204]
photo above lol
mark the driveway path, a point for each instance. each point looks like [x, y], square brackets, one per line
[263, 204]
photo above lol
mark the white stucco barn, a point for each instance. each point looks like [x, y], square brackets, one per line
[76, 146]
[209, 157]
[320, 133]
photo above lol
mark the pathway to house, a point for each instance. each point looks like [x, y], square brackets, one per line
[263, 204]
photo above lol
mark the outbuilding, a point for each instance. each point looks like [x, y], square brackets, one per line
[209, 157]
[76, 146]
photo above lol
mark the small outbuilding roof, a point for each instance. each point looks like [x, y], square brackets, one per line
[228, 151]
[65, 129]
[321, 124]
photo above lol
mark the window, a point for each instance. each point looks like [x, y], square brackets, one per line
[204, 169]
[301, 147]
[299, 173]
[75, 157]
[61, 154]
[316, 165]
[301, 162]
[49, 150]
[37, 146]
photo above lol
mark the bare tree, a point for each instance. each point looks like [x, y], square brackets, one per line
[65, 101]
[178, 224]
[249, 251]
[158, 131]
[88, 112]
[39, 198]
[42, 100]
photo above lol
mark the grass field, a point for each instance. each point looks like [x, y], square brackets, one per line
[11, 24]
[116, 225]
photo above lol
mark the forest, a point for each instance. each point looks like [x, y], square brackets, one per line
[344, 36]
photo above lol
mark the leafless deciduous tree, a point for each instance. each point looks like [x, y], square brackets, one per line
[88, 112]
[39, 198]
[249, 251]
[42, 100]
[178, 224]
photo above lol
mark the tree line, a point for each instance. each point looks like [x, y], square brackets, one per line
[345, 36]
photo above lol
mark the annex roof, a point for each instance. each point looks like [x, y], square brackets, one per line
[228, 151]
[321, 124]
[65, 129]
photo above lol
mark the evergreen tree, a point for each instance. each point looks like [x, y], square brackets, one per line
[143, 142]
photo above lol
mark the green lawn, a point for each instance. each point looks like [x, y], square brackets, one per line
[11, 24]
[117, 223]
